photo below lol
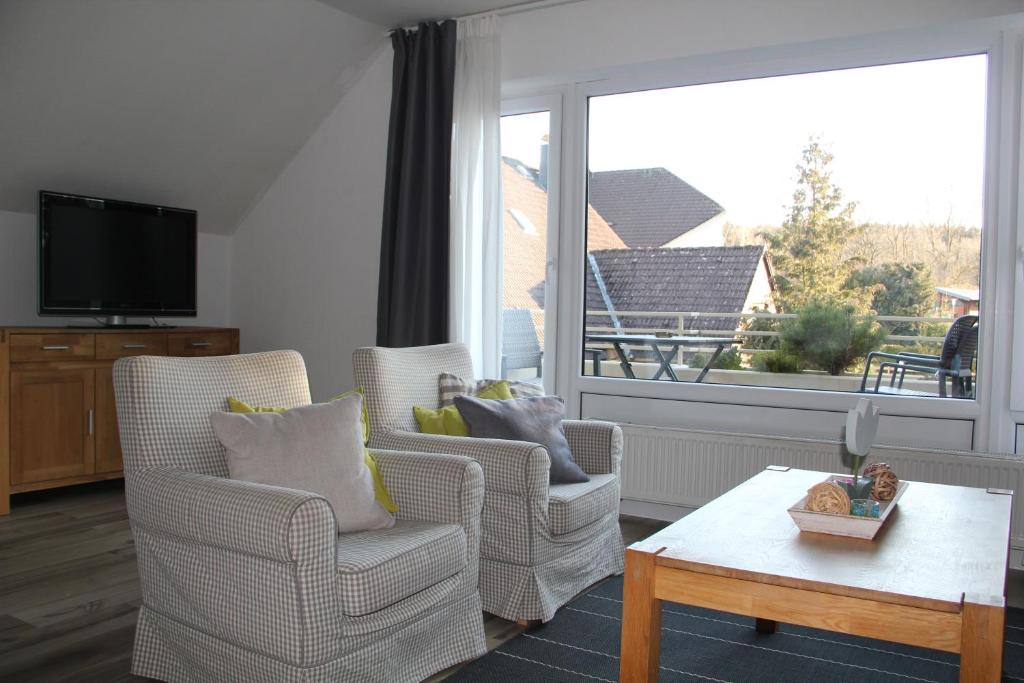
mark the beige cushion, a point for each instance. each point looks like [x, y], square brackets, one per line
[574, 506]
[316, 448]
[379, 568]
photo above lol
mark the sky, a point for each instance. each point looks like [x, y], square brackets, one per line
[908, 139]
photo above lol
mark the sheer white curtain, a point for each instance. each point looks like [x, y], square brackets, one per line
[475, 297]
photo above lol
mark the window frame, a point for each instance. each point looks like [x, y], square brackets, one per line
[552, 104]
[1001, 40]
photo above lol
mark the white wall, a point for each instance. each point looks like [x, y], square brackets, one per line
[18, 278]
[307, 253]
[572, 40]
[707, 234]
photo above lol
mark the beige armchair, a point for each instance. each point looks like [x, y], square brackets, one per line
[248, 582]
[541, 544]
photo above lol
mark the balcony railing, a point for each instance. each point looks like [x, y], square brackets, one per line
[680, 318]
[681, 323]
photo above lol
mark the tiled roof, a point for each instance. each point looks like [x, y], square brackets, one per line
[706, 279]
[960, 293]
[649, 207]
[525, 253]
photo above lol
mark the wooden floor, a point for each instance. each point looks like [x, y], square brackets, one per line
[69, 588]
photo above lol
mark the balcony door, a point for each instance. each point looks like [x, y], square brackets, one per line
[529, 174]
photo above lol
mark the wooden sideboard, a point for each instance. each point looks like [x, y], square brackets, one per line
[58, 421]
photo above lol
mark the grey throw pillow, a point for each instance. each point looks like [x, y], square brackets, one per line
[537, 419]
[316, 448]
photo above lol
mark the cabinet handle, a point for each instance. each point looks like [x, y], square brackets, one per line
[199, 344]
[133, 346]
[92, 421]
[57, 347]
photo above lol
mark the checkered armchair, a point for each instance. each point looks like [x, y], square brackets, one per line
[248, 582]
[541, 544]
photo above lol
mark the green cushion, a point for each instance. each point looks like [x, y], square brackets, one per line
[448, 421]
[430, 421]
[379, 490]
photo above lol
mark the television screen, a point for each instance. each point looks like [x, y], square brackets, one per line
[107, 257]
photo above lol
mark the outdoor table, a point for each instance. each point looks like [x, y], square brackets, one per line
[664, 358]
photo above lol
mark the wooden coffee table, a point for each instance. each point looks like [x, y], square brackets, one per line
[934, 576]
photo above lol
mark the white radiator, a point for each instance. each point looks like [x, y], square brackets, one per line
[688, 468]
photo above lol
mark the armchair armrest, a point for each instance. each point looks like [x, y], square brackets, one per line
[516, 467]
[919, 359]
[211, 549]
[437, 488]
[271, 522]
[596, 445]
[923, 356]
[433, 487]
[927, 369]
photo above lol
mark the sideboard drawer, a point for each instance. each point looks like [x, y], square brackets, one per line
[114, 346]
[49, 347]
[200, 344]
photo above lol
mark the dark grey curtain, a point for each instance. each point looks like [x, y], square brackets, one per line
[412, 298]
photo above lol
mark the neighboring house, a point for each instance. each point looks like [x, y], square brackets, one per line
[652, 207]
[726, 280]
[525, 239]
[707, 278]
[956, 301]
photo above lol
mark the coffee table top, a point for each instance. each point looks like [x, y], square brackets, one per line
[939, 544]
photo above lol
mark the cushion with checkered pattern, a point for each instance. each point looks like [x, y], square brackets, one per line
[449, 386]
[379, 568]
[574, 506]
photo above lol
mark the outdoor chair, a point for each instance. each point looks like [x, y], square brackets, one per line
[541, 544]
[519, 345]
[250, 582]
[954, 363]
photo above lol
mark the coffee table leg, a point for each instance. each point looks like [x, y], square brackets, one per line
[641, 620]
[981, 642]
[765, 625]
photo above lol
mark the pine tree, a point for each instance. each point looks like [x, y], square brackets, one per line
[808, 251]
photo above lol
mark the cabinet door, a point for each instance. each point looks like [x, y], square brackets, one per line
[200, 344]
[51, 424]
[108, 442]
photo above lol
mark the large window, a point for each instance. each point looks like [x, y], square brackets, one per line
[525, 190]
[810, 231]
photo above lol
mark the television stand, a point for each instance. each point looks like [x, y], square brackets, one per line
[58, 418]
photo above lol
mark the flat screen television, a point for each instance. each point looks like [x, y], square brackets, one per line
[103, 257]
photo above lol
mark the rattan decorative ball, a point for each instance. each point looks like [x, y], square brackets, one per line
[828, 496]
[886, 481]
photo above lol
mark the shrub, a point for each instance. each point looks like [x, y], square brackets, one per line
[825, 336]
[727, 360]
[756, 341]
[776, 361]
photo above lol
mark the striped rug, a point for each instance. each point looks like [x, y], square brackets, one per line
[582, 644]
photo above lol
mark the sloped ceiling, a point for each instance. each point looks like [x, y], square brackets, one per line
[396, 13]
[189, 103]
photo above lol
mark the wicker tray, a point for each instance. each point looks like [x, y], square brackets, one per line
[844, 525]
